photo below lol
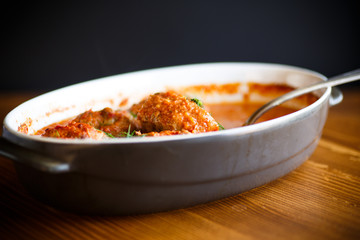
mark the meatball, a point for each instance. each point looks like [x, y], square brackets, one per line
[114, 122]
[170, 111]
[74, 130]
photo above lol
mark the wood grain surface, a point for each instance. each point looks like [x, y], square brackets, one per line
[318, 200]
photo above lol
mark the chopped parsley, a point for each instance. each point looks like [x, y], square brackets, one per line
[221, 127]
[109, 135]
[133, 114]
[129, 134]
[56, 134]
[198, 102]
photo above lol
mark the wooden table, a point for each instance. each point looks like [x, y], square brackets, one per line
[319, 200]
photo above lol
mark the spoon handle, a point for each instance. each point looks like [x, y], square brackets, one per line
[333, 81]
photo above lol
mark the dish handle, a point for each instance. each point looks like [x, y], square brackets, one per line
[32, 158]
[336, 96]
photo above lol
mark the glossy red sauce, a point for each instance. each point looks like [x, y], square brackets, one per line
[232, 115]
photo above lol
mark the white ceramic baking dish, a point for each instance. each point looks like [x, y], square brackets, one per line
[142, 175]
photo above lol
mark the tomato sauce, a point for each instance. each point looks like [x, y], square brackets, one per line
[232, 115]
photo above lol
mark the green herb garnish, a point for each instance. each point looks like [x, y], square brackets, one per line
[109, 135]
[129, 134]
[198, 102]
[221, 127]
[132, 114]
[56, 134]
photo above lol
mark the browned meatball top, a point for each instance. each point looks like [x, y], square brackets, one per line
[74, 130]
[114, 122]
[174, 112]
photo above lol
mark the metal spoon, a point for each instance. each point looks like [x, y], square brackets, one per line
[333, 81]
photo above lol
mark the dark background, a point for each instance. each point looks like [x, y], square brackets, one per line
[56, 43]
